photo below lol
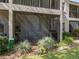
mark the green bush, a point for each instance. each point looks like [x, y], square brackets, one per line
[67, 38]
[45, 44]
[67, 34]
[24, 47]
[76, 32]
[66, 41]
[3, 44]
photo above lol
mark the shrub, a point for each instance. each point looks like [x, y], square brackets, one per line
[45, 44]
[76, 32]
[67, 38]
[3, 44]
[24, 47]
[66, 41]
[67, 34]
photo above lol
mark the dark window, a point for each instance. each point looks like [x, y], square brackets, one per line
[45, 3]
[73, 11]
[63, 27]
[55, 4]
[4, 1]
[1, 28]
[63, 6]
[35, 3]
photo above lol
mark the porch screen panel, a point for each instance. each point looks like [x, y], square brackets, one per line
[35, 3]
[28, 2]
[17, 1]
[23, 2]
[45, 3]
[55, 4]
[14, 1]
[7, 1]
[78, 12]
[4, 1]
[73, 11]
[1, 28]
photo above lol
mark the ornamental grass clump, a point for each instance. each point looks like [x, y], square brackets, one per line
[24, 47]
[45, 44]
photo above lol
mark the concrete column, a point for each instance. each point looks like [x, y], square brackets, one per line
[67, 26]
[61, 21]
[10, 24]
[66, 10]
[61, 26]
[11, 1]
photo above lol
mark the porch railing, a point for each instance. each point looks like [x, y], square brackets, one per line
[53, 4]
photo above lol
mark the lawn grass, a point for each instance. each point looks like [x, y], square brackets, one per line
[66, 54]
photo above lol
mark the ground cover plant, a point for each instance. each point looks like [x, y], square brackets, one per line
[23, 47]
[66, 54]
[3, 44]
[45, 44]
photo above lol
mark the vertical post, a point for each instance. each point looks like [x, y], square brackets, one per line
[11, 1]
[10, 20]
[61, 32]
[77, 12]
[67, 26]
[61, 21]
[66, 10]
[11, 39]
[39, 3]
[10, 24]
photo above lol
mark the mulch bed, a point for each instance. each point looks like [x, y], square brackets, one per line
[18, 55]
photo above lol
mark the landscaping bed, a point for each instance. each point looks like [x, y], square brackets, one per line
[46, 48]
[72, 53]
[65, 54]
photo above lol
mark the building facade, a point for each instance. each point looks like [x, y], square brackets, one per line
[35, 19]
[70, 16]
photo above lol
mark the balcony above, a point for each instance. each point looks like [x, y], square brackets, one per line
[31, 9]
[52, 4]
